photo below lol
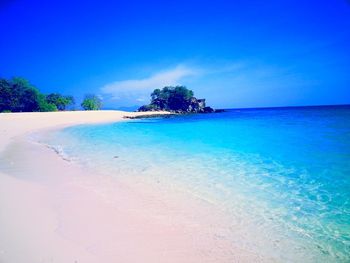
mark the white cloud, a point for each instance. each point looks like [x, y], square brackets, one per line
[138, 87]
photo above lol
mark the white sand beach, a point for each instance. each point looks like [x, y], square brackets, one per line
[52, 210]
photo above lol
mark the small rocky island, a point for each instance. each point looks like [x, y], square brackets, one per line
[176, 99]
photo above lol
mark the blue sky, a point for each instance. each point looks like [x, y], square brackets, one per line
[233, 53]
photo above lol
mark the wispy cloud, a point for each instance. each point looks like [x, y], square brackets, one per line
[139, 87]
[224, 83]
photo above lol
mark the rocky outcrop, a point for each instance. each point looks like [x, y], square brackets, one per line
[193, 105]
[196, 105]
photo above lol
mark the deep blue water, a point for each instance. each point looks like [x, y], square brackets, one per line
[282, 174]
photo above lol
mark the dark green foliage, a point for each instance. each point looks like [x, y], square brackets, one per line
[24, 96]
[91, 102]
[45, 106]
[18, 95]
[6, 96]
[177, 98]
[171, 98]
[61, 102]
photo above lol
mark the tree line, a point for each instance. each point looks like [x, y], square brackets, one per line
[19, 95]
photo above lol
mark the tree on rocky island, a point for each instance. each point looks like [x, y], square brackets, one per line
[175, 99]
[91, 102]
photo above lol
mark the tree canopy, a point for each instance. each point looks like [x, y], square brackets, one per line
[91, 102]
[60, 101]
[176, 99]
[19, 95]
[171, 98]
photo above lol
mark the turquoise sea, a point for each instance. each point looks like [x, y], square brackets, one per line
[281, 174]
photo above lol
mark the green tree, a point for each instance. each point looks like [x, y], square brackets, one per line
[25, 96]
[91, 102]
[6, 95]
[61, 102]
[18, 95]
[179, 98]
[45, 106]
[155, 94]
[171, 98]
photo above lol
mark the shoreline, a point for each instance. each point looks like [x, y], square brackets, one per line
[15, 124]
[75, 215]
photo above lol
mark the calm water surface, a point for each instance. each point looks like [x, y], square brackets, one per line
[282, 174]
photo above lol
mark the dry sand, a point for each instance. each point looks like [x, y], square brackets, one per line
[52, 210]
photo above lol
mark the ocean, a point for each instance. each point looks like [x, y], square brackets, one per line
[282, 175]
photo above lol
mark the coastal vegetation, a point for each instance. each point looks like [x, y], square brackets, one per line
[60, 101]
[176, 99]
[19, 95]
[91, 102]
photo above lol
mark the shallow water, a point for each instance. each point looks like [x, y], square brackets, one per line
[282, 175]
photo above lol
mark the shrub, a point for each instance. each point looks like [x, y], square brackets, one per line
[91, 102]
[61, 102]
